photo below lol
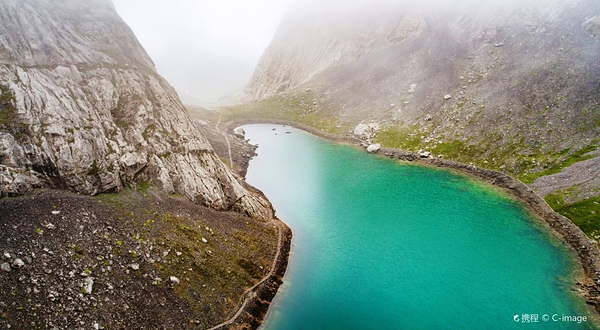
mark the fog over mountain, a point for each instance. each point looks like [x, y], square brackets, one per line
[206, 49]
[510, 85]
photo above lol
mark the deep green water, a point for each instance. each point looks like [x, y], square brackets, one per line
[381, 245]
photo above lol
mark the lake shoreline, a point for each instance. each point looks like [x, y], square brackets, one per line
[588, 254]
[258, 298]
[255, 310]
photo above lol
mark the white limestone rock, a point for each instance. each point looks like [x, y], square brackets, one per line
[98, 116]
[362, 130]
[373, 148]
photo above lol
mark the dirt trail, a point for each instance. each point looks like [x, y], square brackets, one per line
[226, 141]
[250, 293]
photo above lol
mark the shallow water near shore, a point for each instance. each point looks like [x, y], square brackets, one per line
[383, 245]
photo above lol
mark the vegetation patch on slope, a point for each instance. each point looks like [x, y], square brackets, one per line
[302, 107]
[134, 259]
[512, 154]
[566, 161]
[584, 213]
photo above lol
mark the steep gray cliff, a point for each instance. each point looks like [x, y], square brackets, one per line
[82, 107]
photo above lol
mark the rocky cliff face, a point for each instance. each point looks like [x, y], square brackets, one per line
[82, 107]
[310, 41]
[513, 84]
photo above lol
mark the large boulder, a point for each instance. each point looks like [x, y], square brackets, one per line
[239, 132]
[373, 148]
[362, 130]
[366, 131]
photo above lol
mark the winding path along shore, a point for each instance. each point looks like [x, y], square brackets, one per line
[254, 302]
[587, 250]
[226, 142]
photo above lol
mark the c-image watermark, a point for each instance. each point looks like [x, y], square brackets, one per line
[537, 318]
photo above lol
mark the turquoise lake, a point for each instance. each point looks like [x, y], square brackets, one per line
[379, 244]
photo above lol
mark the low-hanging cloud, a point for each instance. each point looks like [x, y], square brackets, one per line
[210, 48]
[207, 48]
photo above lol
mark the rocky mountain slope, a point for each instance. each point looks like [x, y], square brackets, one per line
[83, 108]
[133, 259]
[511, 86]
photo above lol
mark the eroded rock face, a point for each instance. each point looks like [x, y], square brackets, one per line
[82, 107]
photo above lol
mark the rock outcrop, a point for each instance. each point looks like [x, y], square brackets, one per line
[239, 132]
[82, 107]
[366, 131]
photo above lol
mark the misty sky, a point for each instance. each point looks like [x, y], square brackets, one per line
[208, 48]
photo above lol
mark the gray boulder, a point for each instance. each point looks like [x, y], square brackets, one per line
[373, 148]
[239, 132]
[362, 130]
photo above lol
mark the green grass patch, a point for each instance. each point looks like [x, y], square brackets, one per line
[249, 267]
[143, 187]
[410, 139]
[399, 137]
[93, 169]
[299, 107]
[585, 214]
[578, 156]
[8, 111]
[9, 117]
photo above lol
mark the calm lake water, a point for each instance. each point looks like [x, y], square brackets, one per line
[382, 245]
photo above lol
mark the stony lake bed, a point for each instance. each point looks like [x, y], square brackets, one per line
[383, 245]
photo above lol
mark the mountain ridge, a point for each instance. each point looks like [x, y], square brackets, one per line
[514, 86]
[85, 110]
